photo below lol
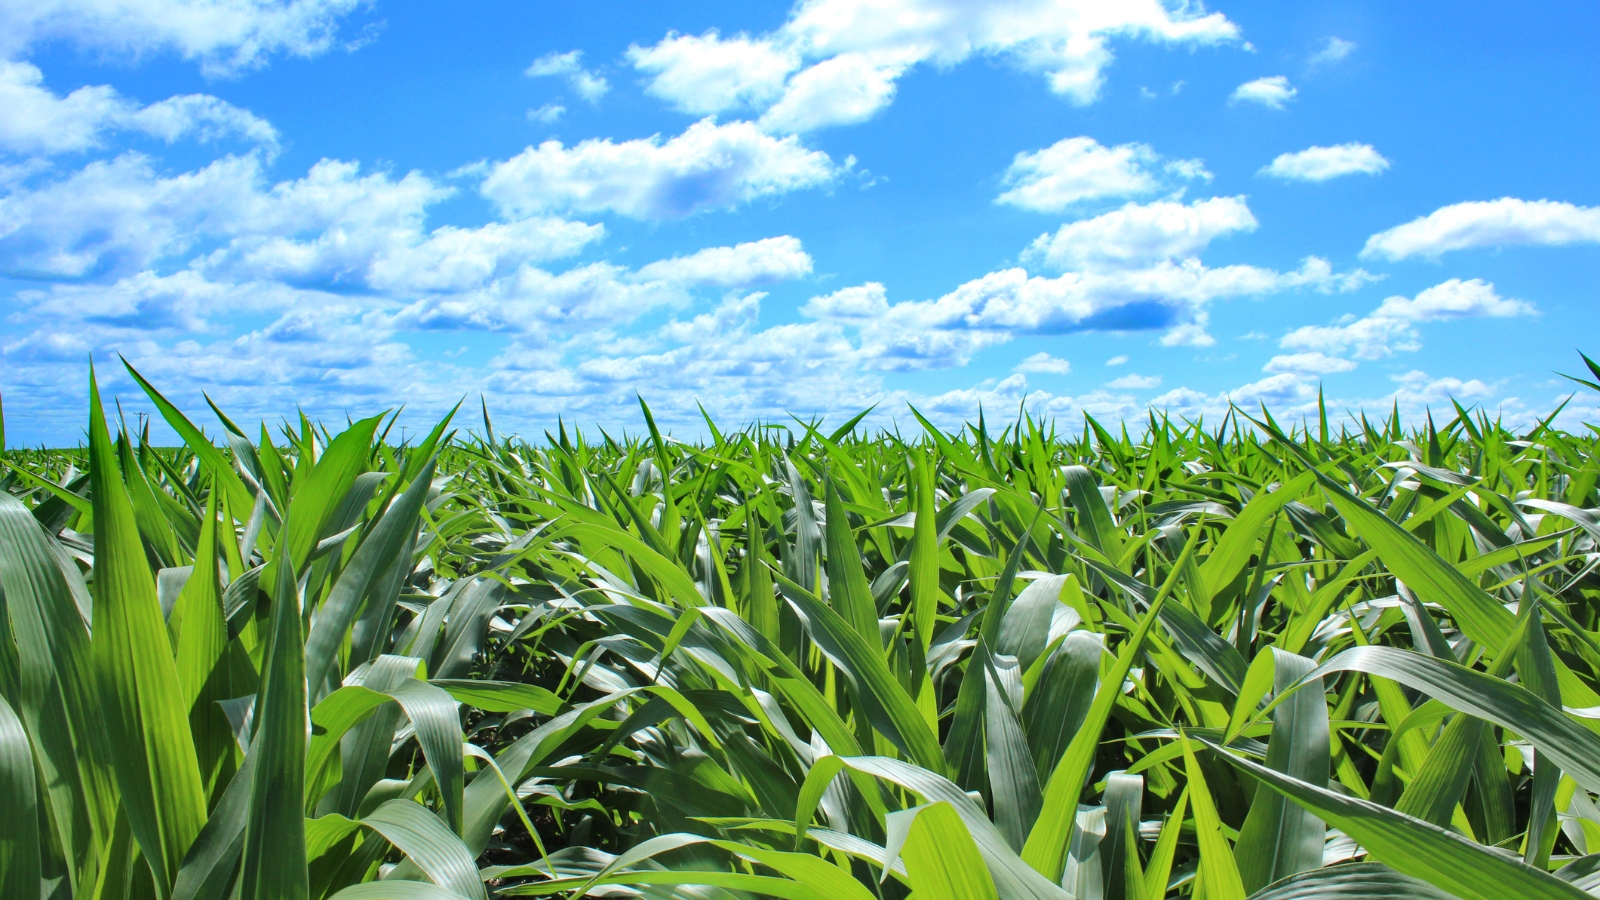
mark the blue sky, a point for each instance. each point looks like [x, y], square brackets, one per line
[806, 208]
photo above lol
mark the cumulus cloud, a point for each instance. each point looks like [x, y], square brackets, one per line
[710, 73]
[1420, 388]
[1284, 394]
[336, 226]
[757, 262]
[1273, 92]
[841, 90]
[225, 36]
[709, 166]
[990, 310]
[1291, 393]
[118, 215]
[35, 120]
[1491, 223]
[1333, 51]
[1140, 233]
[1312, 363]
[1132, 382]
[569, 67]
[1391, 327]
[1044, 364]
[450, 258]
[837, 61]
[547, 113]
[858, 302]
[1118, 360]
[531, 300]
[1323, 163]
[1077, 169]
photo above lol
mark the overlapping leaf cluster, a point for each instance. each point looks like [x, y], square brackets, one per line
[1215, 660]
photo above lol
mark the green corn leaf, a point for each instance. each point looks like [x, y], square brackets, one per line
[1573, 747]
[924, 572]
[19, 830]
[1046, 847]
[1094, 516]
[1119, 851]
[964, 745]
[501, 696]
[941, 859]
[1355, 881]
[434, 848]
[274, 854]
[1025, 628]
[363, 744]
[1013, 878]
[1414, 847]
[1437, 786]
[1218, 877]
[57, 698]
[1279, 839]
[226, 479]
[893, 711]
[1238, 542]
[210, 865]
[157, 771]
[316, 498]
[1013, 781]
[433, 715]
[848, 590]
[1159, 869]
[361, 577]
[1061, 697]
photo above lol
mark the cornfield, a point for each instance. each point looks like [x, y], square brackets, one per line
[1213, 660]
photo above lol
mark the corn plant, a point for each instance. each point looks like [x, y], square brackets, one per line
[1214, 660]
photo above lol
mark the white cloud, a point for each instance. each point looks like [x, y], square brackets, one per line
[117, 216]
[1323, 163]
[547, 113]
[335, 226]
[842, 90]
[1365, 338]
[757, 262]
[990, 309]
[1120, 359]
[323, 229]
[709, 73]
[533, 301]
[1308, 364]
[1181, 400]
[1132, 382]
[1140, 233]
[1419, 388]
[1333, 51]
[1453, 299]
[709, 166]
[1294, 394]
[1391, 327]
[1191, 333]
[837, 61]
[1044, 364]
[859, 302]
[1283, 394]
[1077, 169]
[34, 120]
[226, 36]
[586, 84]
[1487, 223]
[1273, 92]
[457, 259]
